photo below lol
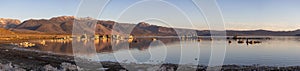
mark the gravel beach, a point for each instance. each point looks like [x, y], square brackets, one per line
[14, 59]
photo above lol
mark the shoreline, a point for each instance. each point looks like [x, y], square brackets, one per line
[39, 61]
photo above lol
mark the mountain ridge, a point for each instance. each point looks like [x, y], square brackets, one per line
[64, 25]
[9, 23]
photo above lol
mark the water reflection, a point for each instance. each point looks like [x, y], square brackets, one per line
[105, 45]
[101, 46]
[278, 50]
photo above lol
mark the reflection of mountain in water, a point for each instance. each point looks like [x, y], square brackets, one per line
[102, 46]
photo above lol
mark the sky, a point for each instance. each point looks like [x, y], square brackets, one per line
[277, 15]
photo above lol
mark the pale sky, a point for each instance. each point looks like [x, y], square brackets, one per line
[275, 15]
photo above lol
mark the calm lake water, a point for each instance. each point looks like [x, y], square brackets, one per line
[278, 51]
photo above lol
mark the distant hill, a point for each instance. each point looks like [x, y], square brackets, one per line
[56, 25]
[9, 23]
[263, 33]
[64, 25]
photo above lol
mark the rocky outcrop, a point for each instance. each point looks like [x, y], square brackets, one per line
[9, 23]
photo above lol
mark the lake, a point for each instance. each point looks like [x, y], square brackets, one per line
[278, 51]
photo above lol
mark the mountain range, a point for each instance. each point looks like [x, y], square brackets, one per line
[64, 25]
[9, 23]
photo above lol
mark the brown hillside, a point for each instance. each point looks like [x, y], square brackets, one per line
[5, 32]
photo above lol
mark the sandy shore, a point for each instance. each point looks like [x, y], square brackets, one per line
[13, 59]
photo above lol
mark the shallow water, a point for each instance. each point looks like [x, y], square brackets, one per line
[278, 51]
